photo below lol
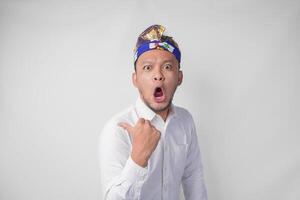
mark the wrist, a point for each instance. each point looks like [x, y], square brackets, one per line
[143, 162]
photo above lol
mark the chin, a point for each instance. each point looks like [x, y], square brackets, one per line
[159, 107]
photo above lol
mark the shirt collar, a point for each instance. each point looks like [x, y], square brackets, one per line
[145, 112]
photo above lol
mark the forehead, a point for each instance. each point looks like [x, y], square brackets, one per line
[156, 56]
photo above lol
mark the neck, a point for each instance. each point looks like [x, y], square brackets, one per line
[164, 114]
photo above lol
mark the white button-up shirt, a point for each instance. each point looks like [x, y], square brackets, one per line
[175, 161]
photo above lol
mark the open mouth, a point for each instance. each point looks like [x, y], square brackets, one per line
[159, 95]
[158, 92]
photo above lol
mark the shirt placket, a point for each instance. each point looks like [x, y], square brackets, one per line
[165, 172]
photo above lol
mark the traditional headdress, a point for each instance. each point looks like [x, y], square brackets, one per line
[153, 38]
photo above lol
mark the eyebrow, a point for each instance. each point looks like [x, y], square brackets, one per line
[147, 61]
[151, 61]
[169, 60]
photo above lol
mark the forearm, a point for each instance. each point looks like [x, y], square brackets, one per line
[194, 186]
[128, 184]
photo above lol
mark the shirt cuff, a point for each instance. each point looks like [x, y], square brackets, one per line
[133, 172]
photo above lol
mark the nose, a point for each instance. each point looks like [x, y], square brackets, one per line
[158, 77]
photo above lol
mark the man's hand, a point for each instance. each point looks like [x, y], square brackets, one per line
[145, 139]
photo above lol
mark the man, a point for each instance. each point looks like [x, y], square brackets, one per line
[150, 149]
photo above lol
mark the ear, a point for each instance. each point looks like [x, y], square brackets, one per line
[134, 79]
[180, 78]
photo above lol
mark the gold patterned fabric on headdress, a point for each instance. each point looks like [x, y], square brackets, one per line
[153, 38]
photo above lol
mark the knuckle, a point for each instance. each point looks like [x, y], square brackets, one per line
[147, 123]
[154, 129]
[157, 132]
[158, 136]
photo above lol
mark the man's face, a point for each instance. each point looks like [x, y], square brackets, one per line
[156, 77]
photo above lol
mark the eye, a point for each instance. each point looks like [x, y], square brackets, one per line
[147, 67]
[168, 67]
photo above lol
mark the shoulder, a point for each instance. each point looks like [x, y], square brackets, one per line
[123, 116]
[184, 115]
[111, 128]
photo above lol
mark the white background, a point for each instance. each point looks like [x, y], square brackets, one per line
[65, 69]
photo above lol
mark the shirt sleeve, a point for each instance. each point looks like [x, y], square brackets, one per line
[193, 178]
[121, 177]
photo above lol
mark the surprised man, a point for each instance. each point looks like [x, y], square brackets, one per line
[150, 149]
